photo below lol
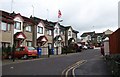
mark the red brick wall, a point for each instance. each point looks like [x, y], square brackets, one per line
[115, 42]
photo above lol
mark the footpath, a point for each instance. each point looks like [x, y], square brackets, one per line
[8, 61]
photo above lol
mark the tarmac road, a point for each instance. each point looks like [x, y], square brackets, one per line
[94, 65]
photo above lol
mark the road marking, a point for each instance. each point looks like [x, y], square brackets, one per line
[73, 70]
[71, 67]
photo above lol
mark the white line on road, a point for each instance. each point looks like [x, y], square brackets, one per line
[73, 70]
[73, 66]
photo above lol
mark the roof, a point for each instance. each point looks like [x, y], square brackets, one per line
[75, 31]
[6, 17]
[87, 33]
[46, 22]
[67, 27]
[98, 34]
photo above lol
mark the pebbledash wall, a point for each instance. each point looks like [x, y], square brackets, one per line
[115, 42]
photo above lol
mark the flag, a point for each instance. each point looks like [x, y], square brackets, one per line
[59, 14]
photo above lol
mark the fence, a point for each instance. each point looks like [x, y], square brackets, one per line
[115, 42]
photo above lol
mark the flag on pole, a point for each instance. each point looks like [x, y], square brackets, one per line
[59, 14]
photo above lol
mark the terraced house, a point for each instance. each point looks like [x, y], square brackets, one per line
[70, 35]
[36, 32]
[43, 34]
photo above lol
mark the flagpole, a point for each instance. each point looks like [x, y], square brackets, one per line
[33, 10]
[47, 14]
[11, 6]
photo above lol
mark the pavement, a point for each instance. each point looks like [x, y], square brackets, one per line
[8, 61]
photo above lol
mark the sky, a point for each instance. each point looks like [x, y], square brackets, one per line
[82, 15]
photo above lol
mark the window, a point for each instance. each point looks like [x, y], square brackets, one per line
[62, 32]
[29, 43]
[49, 32]
[49, 45]
[4, 26]
[89, 37]
[8, 27]
[99, 39]
[56, 30]
[17, 25]
[5, 44]
[40, 30]
[28, 28]
[69, 33]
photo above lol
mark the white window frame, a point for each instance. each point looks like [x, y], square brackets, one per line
[49, 32]
[29, 29]
[69, 33]
[4, 26]
[16, 26]
[40, 30]
[29, 43]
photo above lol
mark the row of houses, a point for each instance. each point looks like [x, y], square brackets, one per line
[96, 39]
[20, 30]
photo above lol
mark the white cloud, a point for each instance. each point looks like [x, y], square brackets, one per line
[82, 15]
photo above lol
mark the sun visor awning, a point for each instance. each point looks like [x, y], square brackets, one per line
[42, 39]
[58, 38]
[19, 35]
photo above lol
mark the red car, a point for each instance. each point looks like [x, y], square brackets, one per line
[23, 52]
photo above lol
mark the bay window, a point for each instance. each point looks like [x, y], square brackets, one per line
[40, 30]
[17, 25]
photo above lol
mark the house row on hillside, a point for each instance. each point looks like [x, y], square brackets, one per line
[20, 30]
[95, 39]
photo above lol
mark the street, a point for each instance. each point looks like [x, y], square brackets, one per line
[87, 62]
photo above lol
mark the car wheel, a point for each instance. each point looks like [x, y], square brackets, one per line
[25, 57]
[9, 57]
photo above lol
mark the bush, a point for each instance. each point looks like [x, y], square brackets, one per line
[69, 49]
[114, 63]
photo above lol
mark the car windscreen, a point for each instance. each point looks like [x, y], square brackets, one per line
[31, 48]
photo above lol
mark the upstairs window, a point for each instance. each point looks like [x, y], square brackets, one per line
[62, 32]
[8, 27]
[89, 37]
[29, 29]
[99, 39]
[49, 32]
[17, 25]
[40, 30]
[56, 30]
[5, 26]
[69, 33]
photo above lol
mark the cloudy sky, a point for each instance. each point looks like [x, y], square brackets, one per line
[82, 15]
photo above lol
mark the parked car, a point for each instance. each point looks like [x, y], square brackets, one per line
[90, 47]
[23, 52]
[85, 47]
